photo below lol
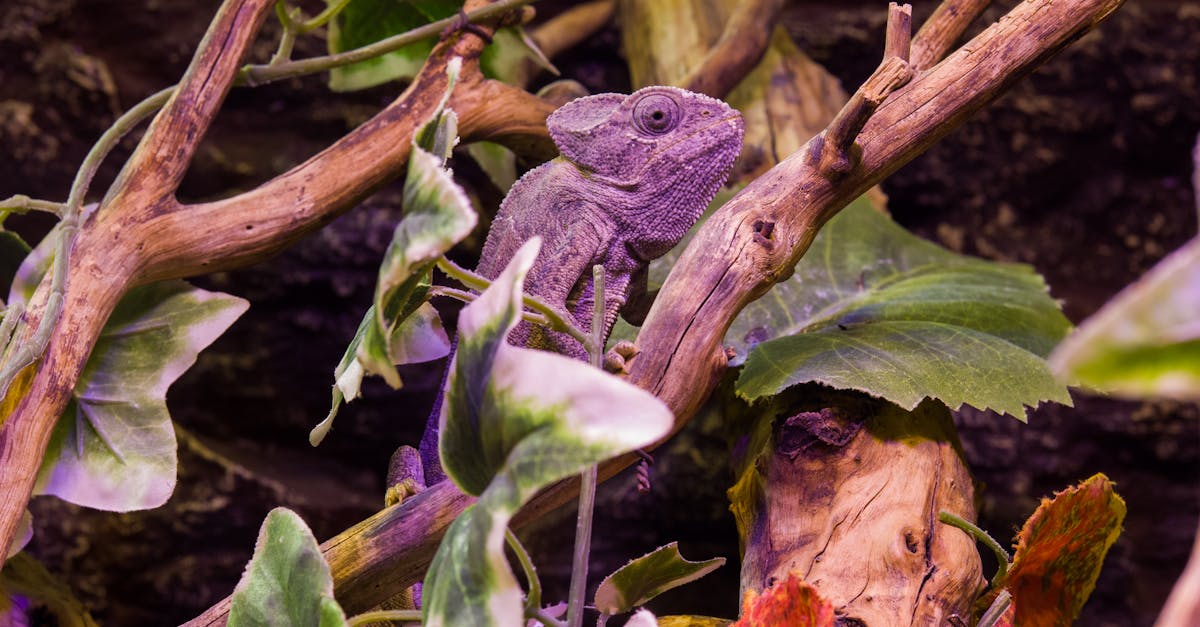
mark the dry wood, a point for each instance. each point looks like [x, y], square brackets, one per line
[939, 33]
[854, 512]
[899, 32]
[743, 42]
[141, 233]
[730, 263]
[569, 28]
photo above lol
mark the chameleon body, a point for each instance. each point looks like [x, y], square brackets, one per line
[635, 173]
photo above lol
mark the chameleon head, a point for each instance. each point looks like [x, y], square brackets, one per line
[668, 149]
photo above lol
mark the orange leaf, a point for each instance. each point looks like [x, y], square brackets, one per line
[788, 603]
[1060, 551]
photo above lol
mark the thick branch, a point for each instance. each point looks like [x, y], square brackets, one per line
[141, 233]
[571, 27]
[741, 45]
[730, 264]
[942, 29]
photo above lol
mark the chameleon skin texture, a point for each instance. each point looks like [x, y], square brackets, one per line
[635, 174]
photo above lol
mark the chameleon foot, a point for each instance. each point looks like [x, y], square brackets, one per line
[405, 476]
[617, 359]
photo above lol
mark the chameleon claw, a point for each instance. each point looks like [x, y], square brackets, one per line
[617, 359]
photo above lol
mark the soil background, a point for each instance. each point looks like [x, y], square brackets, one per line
[1082, 170]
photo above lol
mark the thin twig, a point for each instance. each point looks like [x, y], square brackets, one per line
[554, 317]
[588, 479]
[388, 616]
[20, 203]
[262, 74]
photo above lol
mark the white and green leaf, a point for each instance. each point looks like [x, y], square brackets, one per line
[400, 327]
[872, 307]
[287, 582]
[648, 576]
[1146, 341]
[513, 421]
[114, 446]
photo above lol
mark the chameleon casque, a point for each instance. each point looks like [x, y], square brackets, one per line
[635, 173]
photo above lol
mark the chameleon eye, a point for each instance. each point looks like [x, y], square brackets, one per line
[656, 114]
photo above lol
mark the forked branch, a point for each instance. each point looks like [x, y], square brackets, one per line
[728, 265]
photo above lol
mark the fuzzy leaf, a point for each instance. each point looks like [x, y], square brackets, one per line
[789, 603]
[114, 446]
[874, 308]
[1146, 340]
[365, 22]
[287, 582]
[515, 420]
[1060, 551]
[13, 250]
[400, 327]
[648, 576]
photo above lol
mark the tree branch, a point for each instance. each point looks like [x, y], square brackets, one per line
[741, 45]
[728, 265]
[141, 233]
[942, 29]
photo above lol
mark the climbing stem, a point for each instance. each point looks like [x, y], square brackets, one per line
[982, 536]
[533, 599]
[259, 74]
[551, 316]
[587, 487]
[28, 351]
[21, 203]
[331, 11]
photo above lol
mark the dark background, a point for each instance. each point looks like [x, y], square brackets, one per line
[1081, 170]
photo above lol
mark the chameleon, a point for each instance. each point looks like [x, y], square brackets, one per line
[634, 174]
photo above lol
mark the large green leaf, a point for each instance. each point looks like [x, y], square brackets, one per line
[873, 308]
[365, 22]
[287, 582]
[513, 421]
[114, 446]
[648, 576]
[1146, 340]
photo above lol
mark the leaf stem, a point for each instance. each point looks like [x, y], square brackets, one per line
[260, 74]
[291, 28]
[982, 536]
[552, 316]
[394, 616]
[21, 203]
[587, 487]
[533, 599]
[329, 13]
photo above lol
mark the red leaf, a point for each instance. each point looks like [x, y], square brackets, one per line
[1060, 551]
[788, 603]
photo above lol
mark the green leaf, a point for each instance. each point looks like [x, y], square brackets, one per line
[513, 421]
[35, 265]
[365, 22]
[1146, 340]
[13, 250]
[114, 446]
[504, 59]
[649, 576]
[287, 582]
[872, 307]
